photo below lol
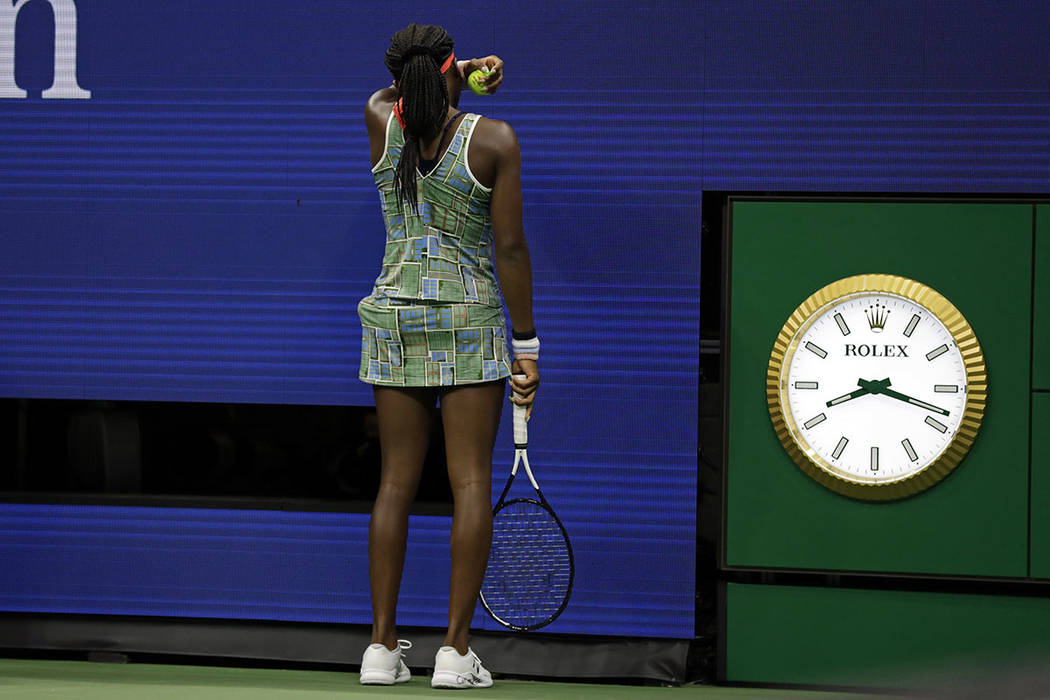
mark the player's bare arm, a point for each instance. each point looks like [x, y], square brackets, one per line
[377, 112]
[499, 162]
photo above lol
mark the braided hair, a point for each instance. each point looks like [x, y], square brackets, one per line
[414, 58]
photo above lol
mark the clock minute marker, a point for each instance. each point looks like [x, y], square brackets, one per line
[807, 385]
[910, 450]
[815, 420]
[816, 350]
[936, 424]
[874, 459]
[843, 441]
[911, 325]
[842, 324]
[936, 352]
[946, 388]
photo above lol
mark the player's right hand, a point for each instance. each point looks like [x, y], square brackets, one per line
[494, 64]
[523, 391]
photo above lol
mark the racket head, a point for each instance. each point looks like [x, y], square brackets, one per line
[531, 568]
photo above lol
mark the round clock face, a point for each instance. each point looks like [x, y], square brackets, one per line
[873, 394]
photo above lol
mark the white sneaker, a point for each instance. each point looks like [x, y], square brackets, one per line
[380, 666]
[454, 671]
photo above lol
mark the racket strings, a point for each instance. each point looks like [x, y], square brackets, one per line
[530, 566]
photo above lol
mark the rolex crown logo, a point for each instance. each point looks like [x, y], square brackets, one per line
[877, 314]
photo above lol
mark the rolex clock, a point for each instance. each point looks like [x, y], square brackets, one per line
[876, 386]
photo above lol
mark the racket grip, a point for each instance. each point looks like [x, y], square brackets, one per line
[521, 430]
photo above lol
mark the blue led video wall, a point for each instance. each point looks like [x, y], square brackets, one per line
[188, 215]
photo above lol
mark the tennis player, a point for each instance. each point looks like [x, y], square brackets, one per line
[433, 327]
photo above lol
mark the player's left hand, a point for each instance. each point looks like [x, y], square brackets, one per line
[495, 66]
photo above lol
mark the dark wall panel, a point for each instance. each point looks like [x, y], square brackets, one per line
[1041, 302]
[1040, 511]
[974, 523]
[955, 644]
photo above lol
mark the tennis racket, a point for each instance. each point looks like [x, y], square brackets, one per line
[530, 571]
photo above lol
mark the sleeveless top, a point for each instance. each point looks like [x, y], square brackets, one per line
[442, 251]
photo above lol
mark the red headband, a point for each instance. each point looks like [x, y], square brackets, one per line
[398, 106]
[448, 63]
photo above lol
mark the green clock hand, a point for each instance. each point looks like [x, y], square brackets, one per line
[880, 388]
[865, 388]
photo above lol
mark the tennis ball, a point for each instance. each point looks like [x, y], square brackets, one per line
[476, 81]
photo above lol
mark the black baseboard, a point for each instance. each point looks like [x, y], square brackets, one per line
[340, 645]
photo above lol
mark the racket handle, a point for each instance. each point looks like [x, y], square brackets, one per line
[521, 430]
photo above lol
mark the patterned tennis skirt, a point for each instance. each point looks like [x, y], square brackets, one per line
[419, 343]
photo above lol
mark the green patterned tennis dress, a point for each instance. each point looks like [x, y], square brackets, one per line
[435, 315]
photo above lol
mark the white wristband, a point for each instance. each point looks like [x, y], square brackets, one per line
[526, 349]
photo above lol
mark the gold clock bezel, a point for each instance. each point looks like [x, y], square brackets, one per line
[787, 430]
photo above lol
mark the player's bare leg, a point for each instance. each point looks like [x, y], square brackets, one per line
[471, 419]
[404, 427]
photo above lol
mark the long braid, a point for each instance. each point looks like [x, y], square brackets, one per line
[414, 58]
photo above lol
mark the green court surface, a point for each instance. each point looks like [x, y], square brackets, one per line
[30, 679]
